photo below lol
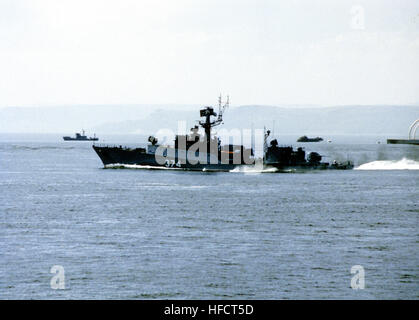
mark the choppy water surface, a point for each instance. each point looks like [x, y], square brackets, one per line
[141, 234]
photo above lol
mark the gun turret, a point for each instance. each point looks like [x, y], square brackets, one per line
[153, 140]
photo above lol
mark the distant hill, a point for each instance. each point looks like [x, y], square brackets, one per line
[69, 119]
[140, 119]
[374, 120]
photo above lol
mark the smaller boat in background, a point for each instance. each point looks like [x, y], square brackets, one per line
[307, 139]
[81, 137]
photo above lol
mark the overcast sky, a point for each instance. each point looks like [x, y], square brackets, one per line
[187, 51]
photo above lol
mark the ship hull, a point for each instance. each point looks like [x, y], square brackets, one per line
[309, 166]
[126, 157]
[119, 157]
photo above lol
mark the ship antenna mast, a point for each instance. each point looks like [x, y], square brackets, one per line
[207, 112]
[222, 108]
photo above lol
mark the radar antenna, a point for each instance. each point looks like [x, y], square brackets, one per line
[207, 112]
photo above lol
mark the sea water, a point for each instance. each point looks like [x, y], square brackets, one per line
[246, 234]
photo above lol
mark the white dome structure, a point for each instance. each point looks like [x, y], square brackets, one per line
[412, 130]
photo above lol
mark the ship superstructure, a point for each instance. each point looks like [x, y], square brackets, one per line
[193, 151]
[286, 158]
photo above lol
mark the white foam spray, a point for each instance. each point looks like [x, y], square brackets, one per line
[253, 170]
[137, 166]
[403, 164]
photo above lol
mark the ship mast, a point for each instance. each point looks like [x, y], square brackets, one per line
[265, 142]
[207, 112]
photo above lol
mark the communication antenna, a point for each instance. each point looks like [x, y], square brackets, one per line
[273, 128]
[253, 141]
[207, 112]
[265, 141]
[222, 108]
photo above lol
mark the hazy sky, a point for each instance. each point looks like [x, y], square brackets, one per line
[187, 51]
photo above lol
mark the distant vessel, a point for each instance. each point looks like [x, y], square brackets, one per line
[81, 137]
[411, 138]
[307, 139]
[286, 158]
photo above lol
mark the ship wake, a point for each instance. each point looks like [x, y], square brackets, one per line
[253, 169]
[403, 164]
[137, 166]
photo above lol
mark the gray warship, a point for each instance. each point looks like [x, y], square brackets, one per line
[197, 152]
[194, 152]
